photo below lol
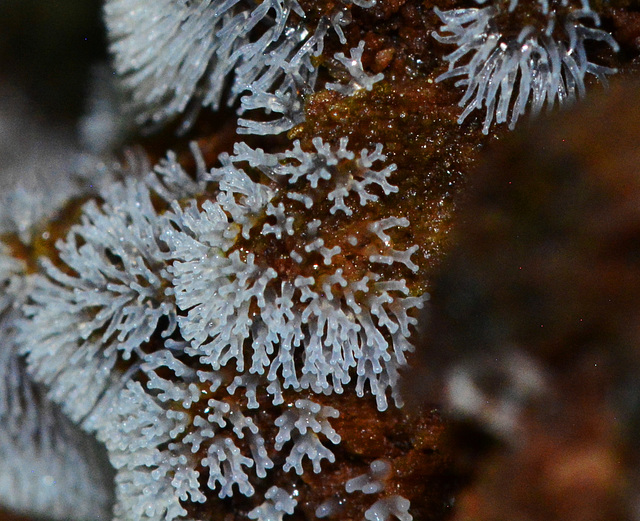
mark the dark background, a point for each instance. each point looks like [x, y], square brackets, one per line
[47, 49]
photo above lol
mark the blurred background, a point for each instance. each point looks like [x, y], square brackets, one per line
[53, 59]
[47, 50]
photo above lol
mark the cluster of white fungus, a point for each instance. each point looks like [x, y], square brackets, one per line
[161, 325]
[358, 78]
[199, 325]
[302, 423]
[280, 89]
[309, 332]
[160, 451]
[539, 66]
[374, 482]
[79, 324]
[278, 503]
[175, 56]
[389, 508]
[49, 466]
[131, 328]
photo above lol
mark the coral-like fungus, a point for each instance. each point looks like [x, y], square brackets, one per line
[312, 320]
[245, 289]
[177, 55]
[541, 63]
[48, 464]
[110, 300]
[231, 325]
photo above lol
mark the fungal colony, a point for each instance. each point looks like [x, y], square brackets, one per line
[229, 320]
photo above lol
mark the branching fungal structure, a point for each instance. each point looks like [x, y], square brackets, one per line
[231, 324]
[43, 455]
[291, 323]
[49, 466]
[177, 55]
[112, 305]
[536, 65]
[330, 316]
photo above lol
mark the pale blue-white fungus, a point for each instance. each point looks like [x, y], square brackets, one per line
[303, 423]
[107, 302]
[358, 78]
[49, 467]
[373, 481]
[175, 56]
[129, 272]
[539, 66]
[278, 502]
[389, 508]
[309, 333]
[160, 451]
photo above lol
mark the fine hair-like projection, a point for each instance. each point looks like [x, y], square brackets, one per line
[208, 315]
[132, 276]
[177, 55]
[539, 65]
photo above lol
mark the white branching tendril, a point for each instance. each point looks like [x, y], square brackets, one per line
[49, 466]
[175, 56]
[358, 78]
[288, 78]
[373, 481]
[342, 329]
[159, 450]
[389, 508]
[169, 181]
[537, 67]
[127, 271]
[102, 343]
[78, 326]
[278, 502]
